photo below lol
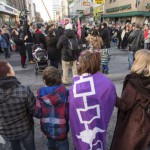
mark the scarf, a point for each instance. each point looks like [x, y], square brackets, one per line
[8, 82]
[139, 82]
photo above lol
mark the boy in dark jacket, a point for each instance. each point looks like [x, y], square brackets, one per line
[17, 106]
[52, 109]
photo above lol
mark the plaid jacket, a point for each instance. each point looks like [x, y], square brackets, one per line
[52, 109]
[17, 104]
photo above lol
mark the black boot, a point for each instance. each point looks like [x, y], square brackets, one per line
[24, 66]
[106, 72]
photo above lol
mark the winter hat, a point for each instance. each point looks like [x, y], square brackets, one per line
[68, 26]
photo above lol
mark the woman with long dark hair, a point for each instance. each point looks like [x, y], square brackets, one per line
[94, 40]
[20, 44]
[53, 53]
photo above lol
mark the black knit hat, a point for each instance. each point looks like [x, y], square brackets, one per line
[104, 24]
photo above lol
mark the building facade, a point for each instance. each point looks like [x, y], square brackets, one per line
[9, 14]
[55, 9]
[65, 8]
[127, 11]
[30, 7]
[17, 4]
[10, 10]
[86, 10]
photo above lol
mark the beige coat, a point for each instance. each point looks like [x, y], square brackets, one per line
[96, 42]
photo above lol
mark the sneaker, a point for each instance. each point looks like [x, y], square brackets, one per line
[106, 72]
[25, 66]
[31, 62]
[7, 57]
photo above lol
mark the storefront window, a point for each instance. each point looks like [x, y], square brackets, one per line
[6, 19]
[12, 21]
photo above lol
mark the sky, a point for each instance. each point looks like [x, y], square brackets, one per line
[40, 8]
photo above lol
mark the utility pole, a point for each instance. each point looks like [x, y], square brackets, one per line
[46, 9]
[91, 9]
[68, 8]
[24, 3]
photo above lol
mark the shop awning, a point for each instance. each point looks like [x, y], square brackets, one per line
[128, 14]
[74, 17]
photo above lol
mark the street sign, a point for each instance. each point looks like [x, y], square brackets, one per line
[99, 1]
[86, 3]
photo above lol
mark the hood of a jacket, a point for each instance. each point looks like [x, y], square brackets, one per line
[69, 33]
[6, 84]
[140, 83]
[53, 95]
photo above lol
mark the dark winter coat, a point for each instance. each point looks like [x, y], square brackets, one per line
[83, 36]
[17, 105]
[7, 38]
[135, 40]
[59, 32]
[63, 46]
[105, 34]
[20, 45]
[53, 53]
[29, 34]
[124, 41]
[39, 38]
[133, 123]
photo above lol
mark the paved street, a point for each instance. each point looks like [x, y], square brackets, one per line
[118, 70]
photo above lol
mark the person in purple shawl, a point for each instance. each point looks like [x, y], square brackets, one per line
[92, 99]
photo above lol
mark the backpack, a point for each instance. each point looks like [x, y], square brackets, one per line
[73, 44]
[74, 47]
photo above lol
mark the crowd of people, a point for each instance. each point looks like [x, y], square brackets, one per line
[86, 107]
[54, 38]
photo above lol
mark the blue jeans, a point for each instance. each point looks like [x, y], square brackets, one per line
[58, 144]
[145, 45]
[29, 51]
[6, 52]
[130, 59]
[105, 67]
[115, 43]
[27, 140]
[54, 63]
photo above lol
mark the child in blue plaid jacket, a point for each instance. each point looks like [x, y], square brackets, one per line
[52, 109]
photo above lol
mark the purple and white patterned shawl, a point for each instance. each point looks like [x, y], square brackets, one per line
[92, 99]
